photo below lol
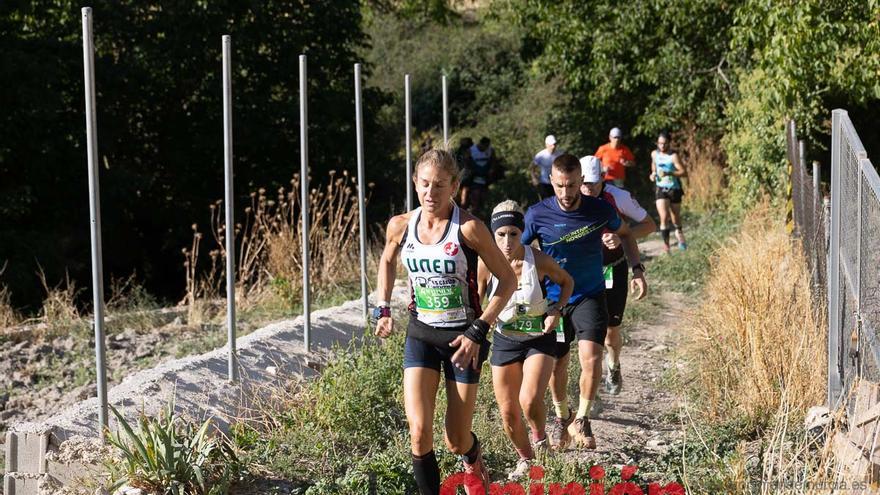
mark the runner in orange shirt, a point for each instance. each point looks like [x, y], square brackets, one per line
[615, 158]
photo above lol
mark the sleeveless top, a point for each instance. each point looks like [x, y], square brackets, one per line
[523, 316]
[442, 276]
[481, 164]
[663, 161]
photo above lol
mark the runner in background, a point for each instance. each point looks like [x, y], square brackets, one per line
[463, 155]
[541, 165]
[614, 260]
[569, 227]
[441, 245]
[483, 160]
[524, 341]
[616, 157]
[666, 173]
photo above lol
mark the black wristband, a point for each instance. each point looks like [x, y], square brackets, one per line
[477, 331]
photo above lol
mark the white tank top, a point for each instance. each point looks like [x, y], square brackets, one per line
[523, 317]
[442, 276]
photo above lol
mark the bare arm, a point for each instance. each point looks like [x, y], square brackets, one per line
[680, 171]
[631, 248]
[653, 175]
[478, 237]
[548, 267]
[388, 267]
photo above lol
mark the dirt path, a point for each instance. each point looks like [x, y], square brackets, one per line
[639, 424]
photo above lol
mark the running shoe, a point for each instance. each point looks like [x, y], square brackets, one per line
[666, 248]
[613, 380]
[542, 445]
[479, 483]
[521, 471]
[558, 431]
[582, 434]
[682, 246]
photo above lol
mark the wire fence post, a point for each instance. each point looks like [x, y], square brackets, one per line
[95, 215]
[362, 210]
[802, 189]
[226, 42]
[304, 173]
[408, 133]
[818, 238]
[834, 378]
[445, 114]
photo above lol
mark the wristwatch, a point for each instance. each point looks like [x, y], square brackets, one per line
[380, 312]
[640, 266]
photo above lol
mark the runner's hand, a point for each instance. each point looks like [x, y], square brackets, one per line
[551, 322]
[653, 176]
[638, 284]
[610, 240]
[384, 326]
[468, 353]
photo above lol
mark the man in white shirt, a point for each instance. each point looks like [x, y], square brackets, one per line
[541, 166]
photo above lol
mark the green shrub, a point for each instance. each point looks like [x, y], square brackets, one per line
[171, 456]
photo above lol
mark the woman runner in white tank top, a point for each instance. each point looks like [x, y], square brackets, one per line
[447, 329]
[524, 340]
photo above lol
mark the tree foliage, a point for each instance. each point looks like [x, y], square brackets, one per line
[158, 69]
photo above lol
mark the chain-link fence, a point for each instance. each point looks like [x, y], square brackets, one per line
[853, 279]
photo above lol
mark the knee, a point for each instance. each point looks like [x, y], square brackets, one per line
[509, 417]
[421, 436]
[532, 406]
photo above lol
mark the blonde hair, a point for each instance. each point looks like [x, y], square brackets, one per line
[508, 205]
[442, 159]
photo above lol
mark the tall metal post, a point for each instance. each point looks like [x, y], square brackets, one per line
[230, 206]
[95, 215]
[304, 181]
[408, 133]
[362, 192]
[818, 238]
[802, 189]
[445, 115]
[835, 380]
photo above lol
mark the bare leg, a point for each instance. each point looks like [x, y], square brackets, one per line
[663, 212]
[676, 221]
[536, 376]
[419, 399]
[461, 400]
[613, 345]
[506, 381]
[590, 355]
[559, 379]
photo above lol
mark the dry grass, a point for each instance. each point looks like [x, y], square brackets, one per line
[59, 307]
[705, 162]
[9, 317]
[758, 341]
[269, 248]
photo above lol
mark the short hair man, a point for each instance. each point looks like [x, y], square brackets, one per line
[541, 165]
[616, 157]
[569, 226]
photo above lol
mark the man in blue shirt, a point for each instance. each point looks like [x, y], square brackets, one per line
[569, 226]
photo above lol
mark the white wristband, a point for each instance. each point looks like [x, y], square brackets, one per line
[381, 304]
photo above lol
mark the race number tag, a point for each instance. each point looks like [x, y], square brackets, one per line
[525, 324]
[608, 272]
[438, 299]
[560, 333]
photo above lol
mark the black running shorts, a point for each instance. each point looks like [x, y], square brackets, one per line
[586, 319]
[672, 194]
[508, 351]
[616, 295]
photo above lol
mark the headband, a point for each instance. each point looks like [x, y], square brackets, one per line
[505, 218]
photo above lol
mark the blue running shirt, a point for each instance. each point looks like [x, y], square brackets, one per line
[574, 240]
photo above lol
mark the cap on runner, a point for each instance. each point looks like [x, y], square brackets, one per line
[591, 168]
[550, 139]
[615, 133]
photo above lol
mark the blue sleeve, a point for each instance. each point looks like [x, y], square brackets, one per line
[614, 220]
[530, 233]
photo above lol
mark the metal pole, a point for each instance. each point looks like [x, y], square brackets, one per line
[802, 188]
[409, 170]
[95, 215]
[362, 209]
[818, 240]
[304, 173]
[835, 380]
[230, 221]
[445, 115]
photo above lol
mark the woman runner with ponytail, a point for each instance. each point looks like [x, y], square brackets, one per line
[447, 329]
[524, 349]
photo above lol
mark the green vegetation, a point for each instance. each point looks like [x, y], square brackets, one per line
[170, 455]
